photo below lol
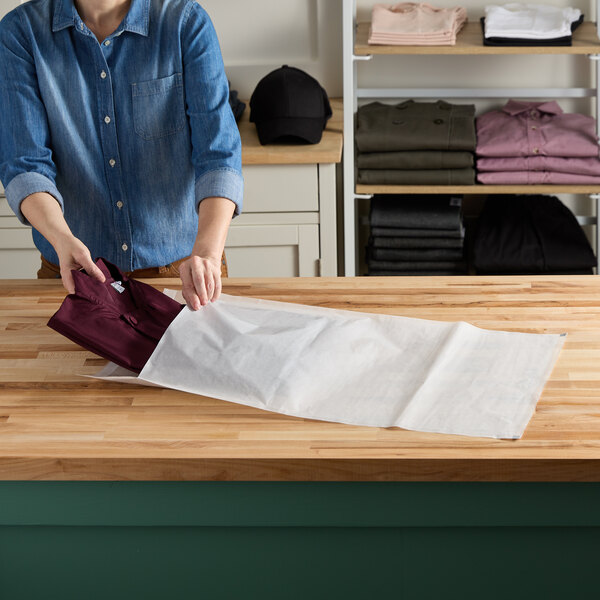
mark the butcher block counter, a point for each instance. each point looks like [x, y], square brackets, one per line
[167, 485]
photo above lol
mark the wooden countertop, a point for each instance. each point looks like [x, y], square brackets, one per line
[328, 150]
[57, 425]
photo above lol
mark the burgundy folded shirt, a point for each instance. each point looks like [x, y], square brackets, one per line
[121, 319]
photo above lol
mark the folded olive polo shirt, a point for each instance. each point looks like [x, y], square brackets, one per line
[414, 125]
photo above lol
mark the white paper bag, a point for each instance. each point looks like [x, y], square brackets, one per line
[356, 368]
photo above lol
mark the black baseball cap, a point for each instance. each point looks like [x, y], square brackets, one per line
[289, 103]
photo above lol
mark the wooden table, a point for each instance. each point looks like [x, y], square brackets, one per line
[236, 502]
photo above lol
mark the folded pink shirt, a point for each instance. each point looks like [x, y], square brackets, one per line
[535, 178]
[409, 23]
[555, 164]
[535, 129]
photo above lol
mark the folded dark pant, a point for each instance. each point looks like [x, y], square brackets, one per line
[464, 176]
[400, 242]
[530, 234]
[401, 232]
[417, 159]
[377, 273]
[121, 319]
[418, 211]
[416, 255]
[414, 125]
[398, 265]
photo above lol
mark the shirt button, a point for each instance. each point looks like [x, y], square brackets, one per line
[81, 26]
[112, 162]
[107, 119]
[533, 127]
[103, 74]
[536, 150]
[124, 247]
[107, 42]
[120, 205]
[438, 121]
[133, 320]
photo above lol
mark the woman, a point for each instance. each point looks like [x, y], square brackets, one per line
[117, 139]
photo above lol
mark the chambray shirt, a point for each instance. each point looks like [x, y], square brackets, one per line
[129, 135]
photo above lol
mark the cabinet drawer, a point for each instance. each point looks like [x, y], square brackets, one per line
[281, 188]
[273, 250]
[5, 210]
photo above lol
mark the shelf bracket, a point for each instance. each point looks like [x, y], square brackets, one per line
[594, 56]
[363, 196]
[357, 57]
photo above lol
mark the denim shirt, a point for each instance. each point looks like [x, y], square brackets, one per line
[128, 135]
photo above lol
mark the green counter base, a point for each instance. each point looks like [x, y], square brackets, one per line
[214, 540]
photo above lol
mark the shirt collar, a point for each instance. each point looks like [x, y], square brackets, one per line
[136, 19]
[514, 107]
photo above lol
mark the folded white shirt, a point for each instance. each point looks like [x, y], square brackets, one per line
[529, 21]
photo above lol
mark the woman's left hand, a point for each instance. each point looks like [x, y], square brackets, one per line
[201, 278]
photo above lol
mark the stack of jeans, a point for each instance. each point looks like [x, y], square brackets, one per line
[415, 143]
[416, 235]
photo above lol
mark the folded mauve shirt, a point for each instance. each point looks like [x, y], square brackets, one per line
[414, 125]
[535, 178]
[535, 129]
[417, 177]
[556, 164]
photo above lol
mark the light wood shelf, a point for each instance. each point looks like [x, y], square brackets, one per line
[477, 189]
[328, 150]
[470, 41]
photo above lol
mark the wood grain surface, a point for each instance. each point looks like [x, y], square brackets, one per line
[470, 41]
[328, 150]
[57, 425]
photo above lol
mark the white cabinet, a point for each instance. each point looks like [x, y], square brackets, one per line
[18, 257]
[287, 228]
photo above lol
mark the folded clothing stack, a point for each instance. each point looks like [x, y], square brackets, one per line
[415, 24]
[415, 143]
[529, 235]
[536, 143]
[518, 24]
[416, 235]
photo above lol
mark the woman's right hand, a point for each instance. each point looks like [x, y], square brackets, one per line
[73, 254]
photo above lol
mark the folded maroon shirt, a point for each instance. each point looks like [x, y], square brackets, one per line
[121, 319]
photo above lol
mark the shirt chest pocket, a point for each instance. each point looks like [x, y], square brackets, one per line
[158, 106]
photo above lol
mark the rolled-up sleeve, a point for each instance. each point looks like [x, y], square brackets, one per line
[26, 164]
[216, 144]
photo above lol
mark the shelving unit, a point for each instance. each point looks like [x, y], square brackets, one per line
[586, 42]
